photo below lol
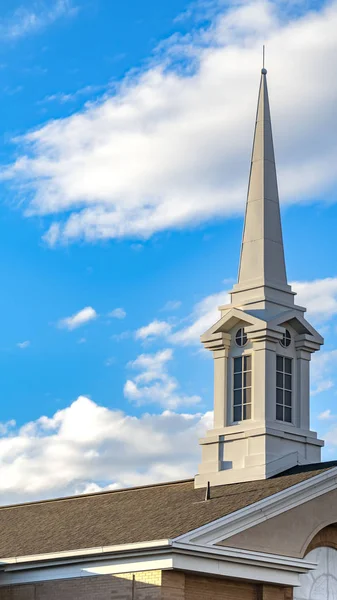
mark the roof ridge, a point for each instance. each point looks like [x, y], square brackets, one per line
[305, 468]
[293, 471]
[95, 494]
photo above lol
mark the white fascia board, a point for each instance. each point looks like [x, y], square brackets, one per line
[50, 571]
[235, 570]
[207, 561]
[251, 557]
[261, 511]
[84, 552]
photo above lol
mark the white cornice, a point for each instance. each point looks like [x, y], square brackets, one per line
[251, 557]
[168, 555]
[84, 552]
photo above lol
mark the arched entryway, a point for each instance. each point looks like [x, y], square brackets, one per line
[320, 584]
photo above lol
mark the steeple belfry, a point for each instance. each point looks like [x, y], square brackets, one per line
[261, 345]
[262, 255]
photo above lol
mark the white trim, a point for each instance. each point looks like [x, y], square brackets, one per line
[82, 552]
[292, 315]
[74, 570]
[261, 511]
[236, 570]
[250, 556]
[225, 562]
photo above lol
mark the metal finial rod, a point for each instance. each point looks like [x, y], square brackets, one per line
[263, 70]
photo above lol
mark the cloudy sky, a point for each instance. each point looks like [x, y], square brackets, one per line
[124, 158]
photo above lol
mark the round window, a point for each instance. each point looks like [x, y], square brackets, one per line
[286, 340]
[241, 338]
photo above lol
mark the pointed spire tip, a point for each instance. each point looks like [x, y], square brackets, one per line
[262, 261]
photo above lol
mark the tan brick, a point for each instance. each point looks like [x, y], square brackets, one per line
[173, 585]
[211, 588]
[103, 587]
[325, 537]
[148, 585]
[272, 592]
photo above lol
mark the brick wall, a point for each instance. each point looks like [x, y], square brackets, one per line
[273, 592]
[200, 588]
[325, 537]
[210, 588]
[173, 585]
[140, 586]
[150, 585]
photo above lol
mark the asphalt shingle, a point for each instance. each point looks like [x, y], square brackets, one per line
[131, 515]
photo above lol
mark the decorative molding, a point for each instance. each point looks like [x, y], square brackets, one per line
[84, 552]
[261, 511]
[251, 557]
[223, 562]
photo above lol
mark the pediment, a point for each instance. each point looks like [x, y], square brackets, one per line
[298, 323]
[233, 317]
[284, 522]
[290, 532]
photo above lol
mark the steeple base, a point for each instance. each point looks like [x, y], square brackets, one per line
[258, 453]
[260, 296]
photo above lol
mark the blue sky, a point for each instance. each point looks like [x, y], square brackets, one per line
[125, 147]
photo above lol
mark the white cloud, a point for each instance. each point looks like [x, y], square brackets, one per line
[5, 428]
[80, 318]
[319, 297]
[63, 98]
[171, 147]
[154, 384]
[323, 368]
[322, 386]
[331, 437]
[25, 21]
[124, 335]
[23, 345]
[326, 415]
[171, 305]
[117, 313]
[153, 329]
[204, 314]
[137, 247]
[87, 446]
[110, 361]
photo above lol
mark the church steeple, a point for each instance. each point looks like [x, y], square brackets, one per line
[261, 345]
[262, 271]
[262, 254]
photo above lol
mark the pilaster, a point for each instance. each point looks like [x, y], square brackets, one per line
[264, 372]
[305, 346]
[220, 384]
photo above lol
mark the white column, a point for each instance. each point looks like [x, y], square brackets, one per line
[264, 375]
[220, 386]
[303, 389]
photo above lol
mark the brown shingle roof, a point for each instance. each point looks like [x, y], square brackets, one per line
[131, 515]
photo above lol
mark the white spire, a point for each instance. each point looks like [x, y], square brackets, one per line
[262, 255]
[261, 346]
